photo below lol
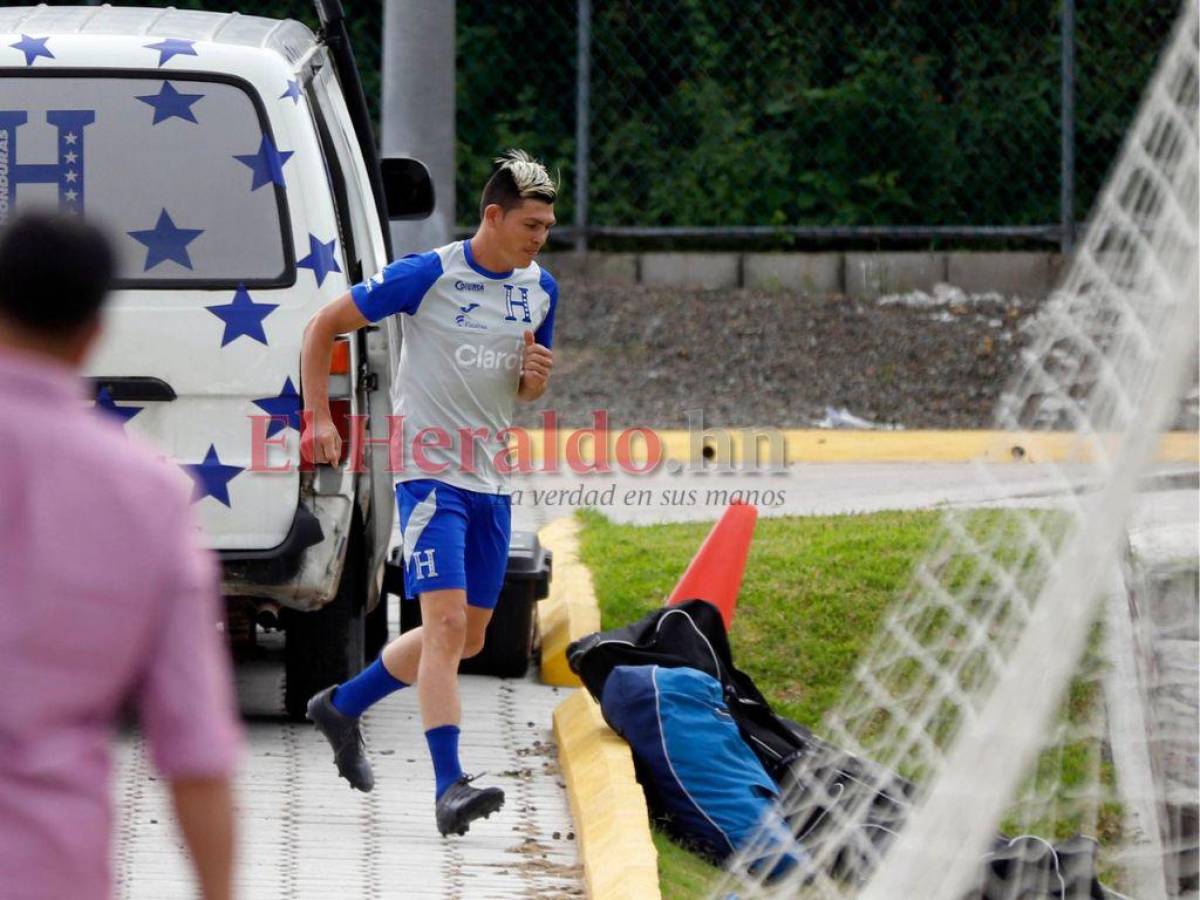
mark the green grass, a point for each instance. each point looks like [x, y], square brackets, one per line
[814, 591]
[682, 874]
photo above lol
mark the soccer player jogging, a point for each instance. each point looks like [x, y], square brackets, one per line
[478, 318]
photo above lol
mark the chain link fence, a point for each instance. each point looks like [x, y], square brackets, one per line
[516, 87]
[791, 119]
[861, 118]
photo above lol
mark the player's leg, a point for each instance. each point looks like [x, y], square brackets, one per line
[402, 657]
[397, 665]
[486, 559]
[488, 534]
[477, 623]
[454, 622]
[434, 530]
[443, 636]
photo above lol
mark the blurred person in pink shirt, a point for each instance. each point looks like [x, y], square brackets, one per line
[107, 600]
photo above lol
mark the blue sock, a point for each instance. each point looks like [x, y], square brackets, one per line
[369, 686]
[443, 747]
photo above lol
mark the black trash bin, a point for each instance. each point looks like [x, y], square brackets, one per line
[511, 634]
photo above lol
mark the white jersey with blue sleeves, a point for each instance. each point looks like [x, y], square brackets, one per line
[460, 361]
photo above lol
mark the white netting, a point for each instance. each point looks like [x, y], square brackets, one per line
[1038, 678]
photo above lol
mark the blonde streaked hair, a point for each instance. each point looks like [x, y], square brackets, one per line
[519, 177]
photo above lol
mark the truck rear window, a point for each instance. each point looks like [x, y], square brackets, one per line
[184, 172]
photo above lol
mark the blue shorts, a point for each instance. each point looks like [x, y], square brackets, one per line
[454, 538]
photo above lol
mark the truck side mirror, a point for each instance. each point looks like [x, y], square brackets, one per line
[407, 188]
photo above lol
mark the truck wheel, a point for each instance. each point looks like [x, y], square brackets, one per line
[326, 646]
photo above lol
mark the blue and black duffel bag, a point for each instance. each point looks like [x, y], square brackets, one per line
[700, 776]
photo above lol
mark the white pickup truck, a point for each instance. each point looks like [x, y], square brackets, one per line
[232, 159]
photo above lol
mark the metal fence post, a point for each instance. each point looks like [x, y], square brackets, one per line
[418, 112]
[583, 149]
[1067, 198]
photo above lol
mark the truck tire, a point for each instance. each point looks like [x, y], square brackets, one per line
[326, 646]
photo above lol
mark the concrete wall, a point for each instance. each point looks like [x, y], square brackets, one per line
[812, 273]
[877, 274]
[866, 275]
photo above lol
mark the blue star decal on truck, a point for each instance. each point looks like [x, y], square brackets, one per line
[33, 48]
[172, 47]
[212, 477]
[105, 402]
[285, 406]
[165, 241]
[292, 92]
[266, 164]
[322, 258]
[168, 103]
[243, 317]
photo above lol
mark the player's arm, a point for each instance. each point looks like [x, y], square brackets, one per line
[536, 363]
[397, 289]
[537, 359]
[321, 441]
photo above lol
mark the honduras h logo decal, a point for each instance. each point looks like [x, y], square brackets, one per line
[512, 303]
[66, 172]
[425, 564]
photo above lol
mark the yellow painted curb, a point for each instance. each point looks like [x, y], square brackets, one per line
[609, 809]
[571, 610]
[627, 448]
[607, 803]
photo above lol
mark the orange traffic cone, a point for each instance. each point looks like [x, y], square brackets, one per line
[715, 572]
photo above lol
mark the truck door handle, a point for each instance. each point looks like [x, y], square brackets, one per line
[133, 387]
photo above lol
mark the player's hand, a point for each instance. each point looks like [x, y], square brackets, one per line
[320, 441]
[536, 362]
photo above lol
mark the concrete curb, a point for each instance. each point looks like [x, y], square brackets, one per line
[611, 818]
[571, 610]
[628, 446]
[607, 803]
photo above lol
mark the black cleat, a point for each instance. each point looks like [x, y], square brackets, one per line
[461, 804]
[344, 737]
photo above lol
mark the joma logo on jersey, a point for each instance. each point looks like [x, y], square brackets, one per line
[472, 356]
[512, 303]
[66, 173]
[464, 320]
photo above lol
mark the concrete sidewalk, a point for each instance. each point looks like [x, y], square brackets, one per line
[305, 834]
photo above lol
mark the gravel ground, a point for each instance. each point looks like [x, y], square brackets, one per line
[749, 358]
